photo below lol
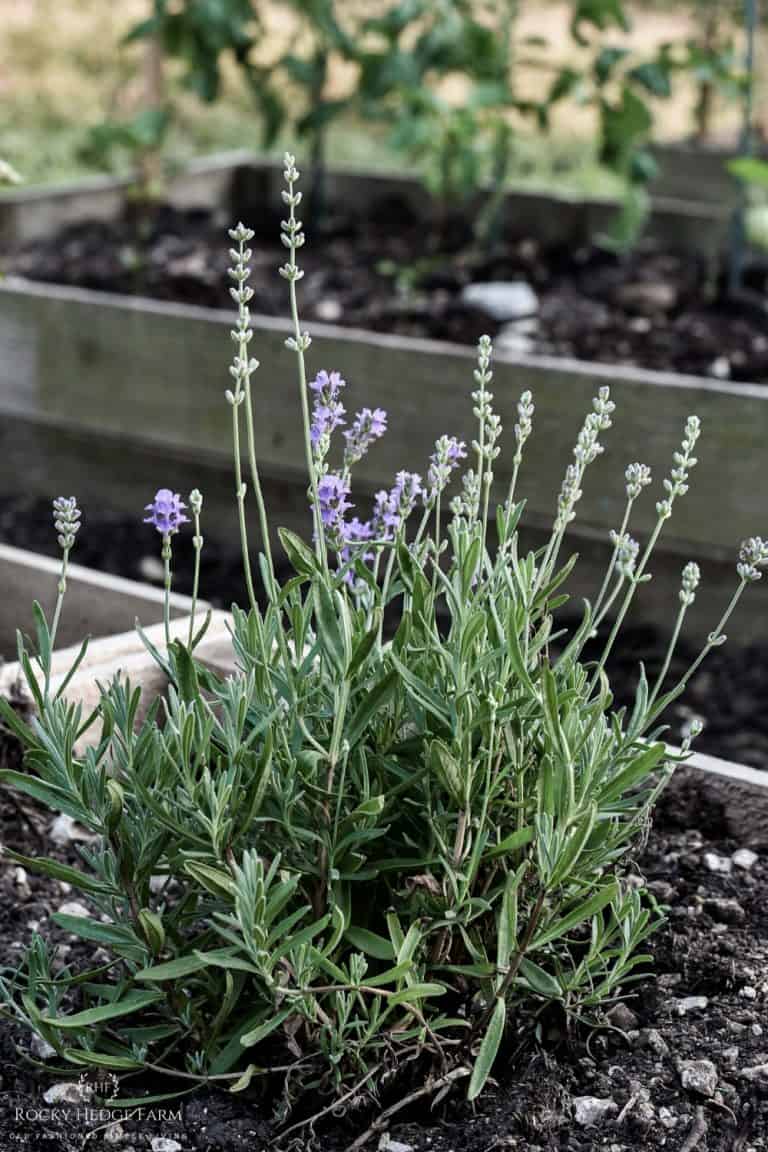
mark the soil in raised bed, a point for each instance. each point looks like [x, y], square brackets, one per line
[387, 271]
[705, 999]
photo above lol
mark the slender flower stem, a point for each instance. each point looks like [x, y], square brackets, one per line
[626, 602]
[437, 544]
[676, 485]
[556, 539]
[422, 526]
[240, 494]
[388, 573]
[62, 588]
[66, 521]
[488, 479]
[197, 544]
[272, 591]
[608, 604]
[713, 640]
[166, 555]
[612, 563]
[512, 486]
[668, 658]
[293, 239]
[240, 371]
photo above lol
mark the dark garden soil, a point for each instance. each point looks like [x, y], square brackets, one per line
[389, 272]
[682, 1065]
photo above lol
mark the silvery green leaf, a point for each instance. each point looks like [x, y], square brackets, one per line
[488, 1050]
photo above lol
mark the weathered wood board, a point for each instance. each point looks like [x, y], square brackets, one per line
[97, 604]
[111, 397]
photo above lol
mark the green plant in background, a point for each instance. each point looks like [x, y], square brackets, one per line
[359, 857]
[109, 144]
[309, 71]
[8, 174]
[714, 62]
[622, 89]
[460, 142]
[200, 35]
[753, 173]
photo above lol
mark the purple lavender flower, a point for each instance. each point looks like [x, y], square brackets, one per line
[354, 534]
[166, 512]
[445, 458]
[327, 410]
[356, 531]
[369, 425]
[392, 509]
[332, 492]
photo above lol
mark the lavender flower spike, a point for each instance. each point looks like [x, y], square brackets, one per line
[445, 458]
[353, 536]
[166, 512]
[369, 425]
[332, 492]
[66, 520]
[393, 508]
[327, 411]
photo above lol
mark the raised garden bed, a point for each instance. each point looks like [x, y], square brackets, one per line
[79, 371]
[135, 387]
[685, 1061]
[386, 259]
[99, 604]
[686, 1058]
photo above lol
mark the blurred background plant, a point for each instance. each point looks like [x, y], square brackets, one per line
[462, 88]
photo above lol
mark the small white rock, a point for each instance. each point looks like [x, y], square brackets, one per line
[163, 1144]
[748, 992]
[698, 1076]
[691, 1004]
[514, 343]
[744, 858]
[151, 569]
[716, 863]
[759, 1072]
[23, 890]
[591, 1110]
[74, 908]
[667, 1118]
[69, 1092]
[652, 1039]
[721, 368]
[502, 299]
[622, 1016]
[387, 1145]
[329, 311]
[64, 831]
[41, 1048]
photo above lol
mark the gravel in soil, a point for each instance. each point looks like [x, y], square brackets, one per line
[387, 272]
[682, 1064]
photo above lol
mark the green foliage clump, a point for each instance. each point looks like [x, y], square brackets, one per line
[358, 853]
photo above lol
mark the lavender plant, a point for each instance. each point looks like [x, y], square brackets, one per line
[360, 858]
